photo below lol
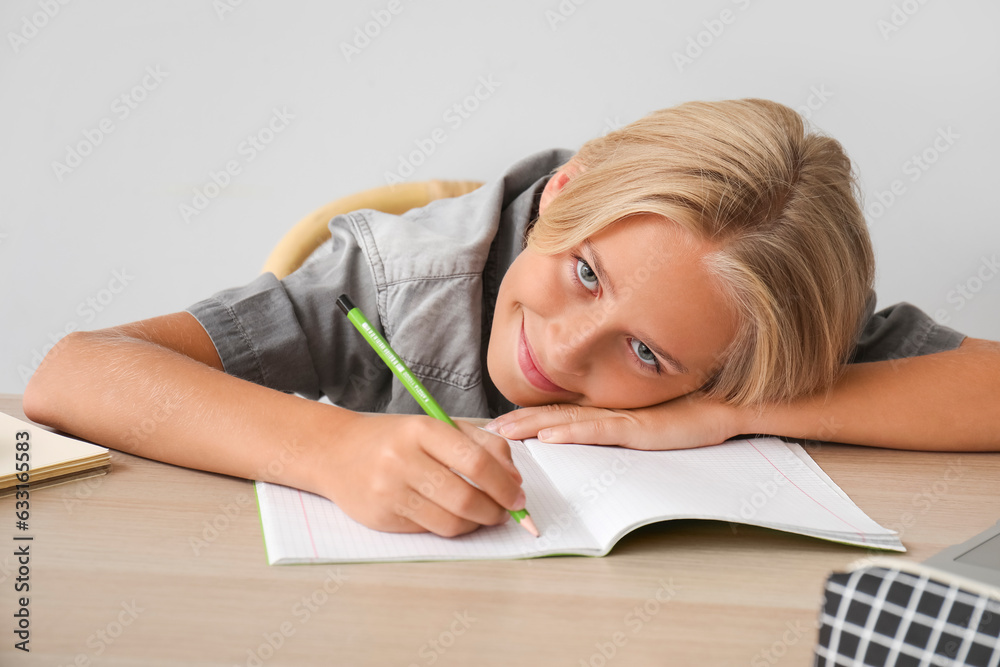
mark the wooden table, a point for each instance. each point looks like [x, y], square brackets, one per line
[158, 565]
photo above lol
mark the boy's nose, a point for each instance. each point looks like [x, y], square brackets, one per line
[572, 340]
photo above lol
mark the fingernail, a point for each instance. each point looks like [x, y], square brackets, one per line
[521, 501]
[545, 434]
[492, 426]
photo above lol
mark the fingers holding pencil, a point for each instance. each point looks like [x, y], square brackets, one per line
[440, 501]
[426, 401]
[482, 459]
[468, 479]
[410, 473]
[499, 448]
[495, 445]
[440, 480]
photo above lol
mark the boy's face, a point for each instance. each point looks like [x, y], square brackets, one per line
[627, 319]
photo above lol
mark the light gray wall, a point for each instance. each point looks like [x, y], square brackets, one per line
[888, 78]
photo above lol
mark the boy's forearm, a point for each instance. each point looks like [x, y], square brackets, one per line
[144, 399]
[943, 401]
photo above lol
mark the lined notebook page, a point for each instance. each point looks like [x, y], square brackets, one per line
[762, 482]
[301, 527]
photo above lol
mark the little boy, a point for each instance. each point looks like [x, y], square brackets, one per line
[701, 273]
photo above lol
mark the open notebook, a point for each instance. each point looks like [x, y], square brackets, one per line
[54, 458]
[585, 498]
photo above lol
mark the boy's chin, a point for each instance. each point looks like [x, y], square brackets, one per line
[516, 394]
[524, 399]
[512, 395]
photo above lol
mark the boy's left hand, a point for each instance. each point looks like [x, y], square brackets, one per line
[688, 421]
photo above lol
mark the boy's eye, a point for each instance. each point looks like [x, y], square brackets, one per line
[586, 275]
[644, 353]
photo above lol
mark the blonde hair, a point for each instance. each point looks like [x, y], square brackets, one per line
[780, 207]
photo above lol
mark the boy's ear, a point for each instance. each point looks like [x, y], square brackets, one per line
[558, 182]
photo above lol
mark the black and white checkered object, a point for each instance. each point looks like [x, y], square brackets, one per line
[884, 616]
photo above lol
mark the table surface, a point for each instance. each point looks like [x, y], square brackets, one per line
[159, 565]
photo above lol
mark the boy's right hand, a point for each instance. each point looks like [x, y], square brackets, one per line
[397, 473]
[389, 472]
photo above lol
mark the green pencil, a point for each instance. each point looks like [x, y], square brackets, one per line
[410, 381]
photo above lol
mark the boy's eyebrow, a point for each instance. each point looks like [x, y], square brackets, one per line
[598, 266]
[659, 351]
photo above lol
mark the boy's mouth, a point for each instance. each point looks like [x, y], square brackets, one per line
[530, 367]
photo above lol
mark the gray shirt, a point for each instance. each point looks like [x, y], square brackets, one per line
[428, 279]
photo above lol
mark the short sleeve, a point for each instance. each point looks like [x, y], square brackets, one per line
[289, 334]
[256, 334]
[901, 331]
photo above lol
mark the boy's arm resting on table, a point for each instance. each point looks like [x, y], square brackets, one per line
[156, 389]
[942, 401]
